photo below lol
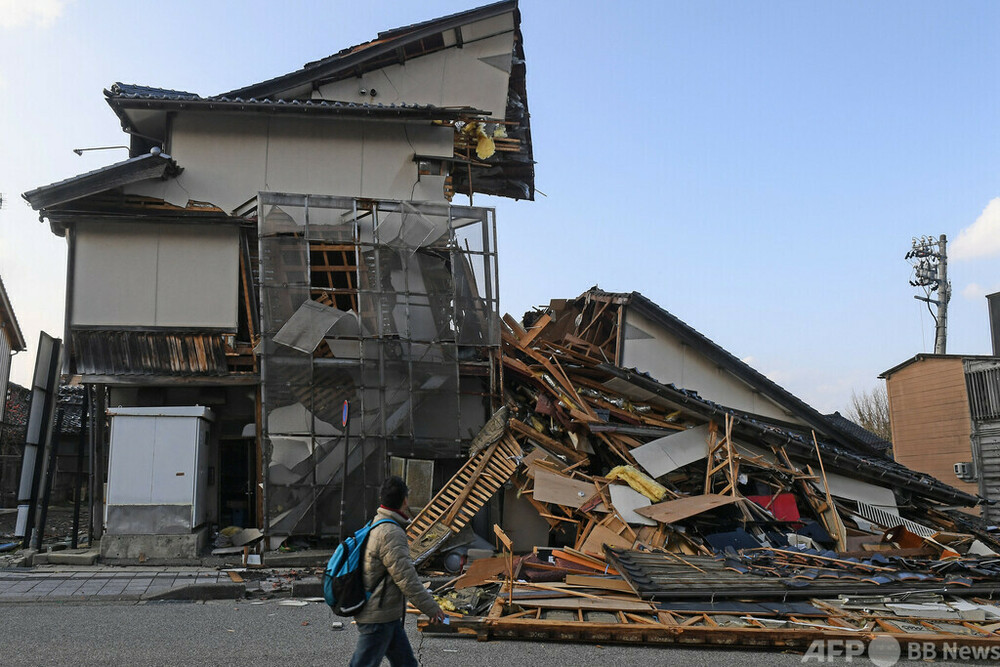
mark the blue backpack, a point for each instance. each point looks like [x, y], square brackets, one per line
[344, 581]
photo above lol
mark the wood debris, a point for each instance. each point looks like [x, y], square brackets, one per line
[670, 519]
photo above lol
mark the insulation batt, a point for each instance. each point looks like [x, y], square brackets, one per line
[639, 481]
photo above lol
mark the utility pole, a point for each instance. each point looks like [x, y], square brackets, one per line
[929, 259]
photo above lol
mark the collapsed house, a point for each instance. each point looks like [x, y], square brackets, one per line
[275, 296]
[645, 512]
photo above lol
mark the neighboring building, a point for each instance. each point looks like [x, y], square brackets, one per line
[629, 330]
[69, 414]
[280, 250]
[945, 416]
[11, 342]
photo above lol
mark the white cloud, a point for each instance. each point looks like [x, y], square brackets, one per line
[982, 237]
[977, 292]
[20, 13]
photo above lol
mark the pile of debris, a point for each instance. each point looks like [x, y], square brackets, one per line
[673, 519]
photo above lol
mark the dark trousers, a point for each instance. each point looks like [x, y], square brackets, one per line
[378, 640]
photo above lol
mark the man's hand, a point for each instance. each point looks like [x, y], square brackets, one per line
[438, 617]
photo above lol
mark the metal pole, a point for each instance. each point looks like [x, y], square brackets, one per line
[78, 481]
[345, 422]
[50, 472]
[944, 294]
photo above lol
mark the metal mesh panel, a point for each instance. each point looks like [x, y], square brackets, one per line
[366, 302]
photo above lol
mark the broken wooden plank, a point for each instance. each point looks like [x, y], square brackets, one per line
[683, 508]
[554, 488]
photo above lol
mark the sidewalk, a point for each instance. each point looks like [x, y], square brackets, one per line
[104, 584]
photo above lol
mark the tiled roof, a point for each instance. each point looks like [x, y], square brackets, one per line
[736, 366]
[70, 402]
[837, 455]
[143, 167]
[122, 97]
[137, 90]
[859, 432]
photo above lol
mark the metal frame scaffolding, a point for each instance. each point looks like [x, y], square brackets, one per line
[388, 307]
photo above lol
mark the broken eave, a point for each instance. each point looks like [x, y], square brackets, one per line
[133, 170]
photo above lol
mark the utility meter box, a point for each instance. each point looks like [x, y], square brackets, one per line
[157, 470]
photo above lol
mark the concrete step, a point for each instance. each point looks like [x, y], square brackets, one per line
[67, 557]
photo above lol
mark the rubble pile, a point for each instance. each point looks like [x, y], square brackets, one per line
[673, 519]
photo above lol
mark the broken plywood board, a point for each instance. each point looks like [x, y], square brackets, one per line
[482, 570]
[626, 501]
[682, 508]
[674, 451]
[558, 489]
[601, 535]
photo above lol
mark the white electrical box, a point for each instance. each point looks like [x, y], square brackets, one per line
[157, 470]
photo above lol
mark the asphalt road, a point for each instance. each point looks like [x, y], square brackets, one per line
[269, 634]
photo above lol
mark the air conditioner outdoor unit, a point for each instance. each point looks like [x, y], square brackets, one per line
[965, 472]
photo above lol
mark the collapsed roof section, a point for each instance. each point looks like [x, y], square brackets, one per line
[154, 165]
[598, 318]
[481, 91]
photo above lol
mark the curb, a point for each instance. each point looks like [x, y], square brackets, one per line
[307, 589]
[227, 590]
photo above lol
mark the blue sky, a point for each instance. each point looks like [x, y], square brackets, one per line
[756, 168]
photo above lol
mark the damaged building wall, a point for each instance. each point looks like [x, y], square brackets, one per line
[475, 75]
[404, 336]
[648, 347]
[151, 275]
[931, 426]
[229, 158]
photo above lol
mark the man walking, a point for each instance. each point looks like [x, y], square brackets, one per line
[387, 560]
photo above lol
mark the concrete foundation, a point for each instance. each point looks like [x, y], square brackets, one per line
[158, 548]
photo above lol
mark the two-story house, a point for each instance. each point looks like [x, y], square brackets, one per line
[275, 295]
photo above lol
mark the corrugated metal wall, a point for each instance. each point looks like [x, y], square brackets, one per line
[982, 379]
[986, 442]
[4, 371]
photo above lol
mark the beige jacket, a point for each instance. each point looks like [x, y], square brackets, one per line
[389, 551]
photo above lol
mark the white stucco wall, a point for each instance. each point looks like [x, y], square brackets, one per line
[648, 347]
[474, 75]
[227, 159]
[136, 274]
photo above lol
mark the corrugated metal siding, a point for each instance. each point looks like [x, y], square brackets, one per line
[983, 382]
[146, 353]
[4, 370]
[987, 441]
